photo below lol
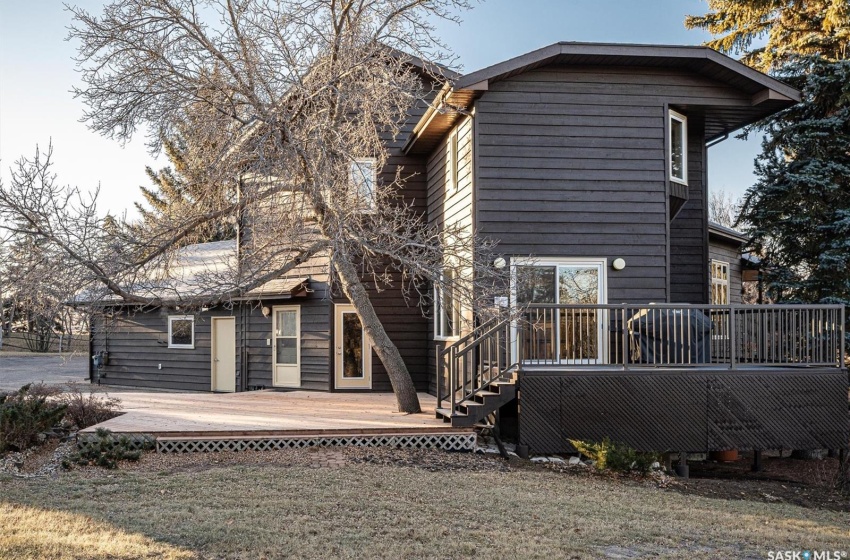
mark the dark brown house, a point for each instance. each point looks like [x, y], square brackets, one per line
[589, 163]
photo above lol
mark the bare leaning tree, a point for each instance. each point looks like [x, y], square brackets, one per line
[297, 93]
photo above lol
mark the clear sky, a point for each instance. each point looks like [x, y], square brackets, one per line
[37, 73]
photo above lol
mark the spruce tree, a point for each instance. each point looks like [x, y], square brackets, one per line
[189, 187]
[798, 212]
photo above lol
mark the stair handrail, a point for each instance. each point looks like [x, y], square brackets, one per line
[456, 357]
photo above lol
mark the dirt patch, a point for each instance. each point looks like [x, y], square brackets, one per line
[806, 483]
[338, 457]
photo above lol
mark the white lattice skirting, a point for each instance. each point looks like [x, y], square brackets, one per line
[449, 442]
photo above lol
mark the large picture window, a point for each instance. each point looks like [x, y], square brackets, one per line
[181, 331]
[678, 148]
[567, 334]
[446, 309]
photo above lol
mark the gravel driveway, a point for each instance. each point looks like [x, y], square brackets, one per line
[17, 370]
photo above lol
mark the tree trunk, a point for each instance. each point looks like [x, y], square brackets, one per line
[402, 383]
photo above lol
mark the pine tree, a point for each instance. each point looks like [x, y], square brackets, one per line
[798, 212]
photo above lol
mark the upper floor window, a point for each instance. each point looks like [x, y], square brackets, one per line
[454, 164]
[719, 283]
[364, 176]
[446, 309]
[678, 148]
[181, 331]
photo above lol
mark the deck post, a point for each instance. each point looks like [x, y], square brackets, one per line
[733, 335]
[624, 331]
[842, 343]
[440, 370]
[757, 460]
[682, 469]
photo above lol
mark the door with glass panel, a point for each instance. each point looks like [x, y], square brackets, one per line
[552, 334]
[286, 346]
[353, 356]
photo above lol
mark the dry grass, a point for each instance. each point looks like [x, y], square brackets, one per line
[32, 533]
[393, 512]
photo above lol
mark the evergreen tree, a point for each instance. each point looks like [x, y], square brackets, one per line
[792, 28]
[188, 187]
[798, 212]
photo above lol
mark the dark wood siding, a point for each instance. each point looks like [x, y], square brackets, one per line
[689, 229]
[401, 317]
[315, 343]
[724, 251]
[137, 342]
[315, 330]
[449, 205]
[572, 163]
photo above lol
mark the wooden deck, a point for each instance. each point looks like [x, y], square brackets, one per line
[270, 413]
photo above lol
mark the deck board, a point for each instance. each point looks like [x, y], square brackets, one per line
[266, 413]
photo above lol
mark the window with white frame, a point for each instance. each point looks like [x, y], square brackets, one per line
[446, 309]
[453, 161]
[181, 331]
[364, 176]
[719, 283]
[678, 149]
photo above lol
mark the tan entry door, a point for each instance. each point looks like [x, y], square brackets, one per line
[224, 354]
[286, 350]
[353, 356]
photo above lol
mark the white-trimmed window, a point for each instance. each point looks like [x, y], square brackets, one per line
[678, 148]
[454, 164]
[181, 331]
[446, 309]
[719, 283]
[364, 177]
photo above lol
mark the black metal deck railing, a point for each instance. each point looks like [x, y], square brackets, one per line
[681, 335]
[630, 336]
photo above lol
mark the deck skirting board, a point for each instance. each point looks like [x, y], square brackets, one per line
[446, 442]
[449, 441]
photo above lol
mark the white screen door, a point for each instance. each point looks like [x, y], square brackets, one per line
[286, 346]
[353, 356]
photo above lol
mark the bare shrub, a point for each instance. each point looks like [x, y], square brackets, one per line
[88, 408]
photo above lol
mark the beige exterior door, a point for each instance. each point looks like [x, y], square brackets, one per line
[224, 354]
[353, 351]
[286, 345]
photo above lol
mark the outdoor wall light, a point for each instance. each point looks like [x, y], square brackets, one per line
[500, 263]
[618, 264]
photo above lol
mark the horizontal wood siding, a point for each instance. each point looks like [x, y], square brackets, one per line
[724, 251]
[449, 205]
[572, 163]
[138, 343]
[689, 274]
[315, 343]
[401, 317]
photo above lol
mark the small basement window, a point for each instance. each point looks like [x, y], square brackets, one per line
[364, 176]
[678, 148]
[181, 331]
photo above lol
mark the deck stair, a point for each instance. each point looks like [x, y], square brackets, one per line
[474, 411]
[480, 377]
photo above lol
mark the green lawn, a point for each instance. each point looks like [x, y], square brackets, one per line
[371, 511]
